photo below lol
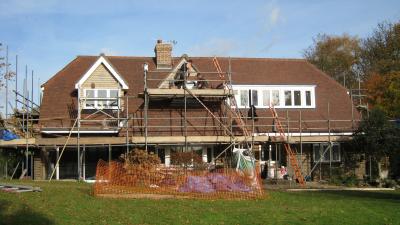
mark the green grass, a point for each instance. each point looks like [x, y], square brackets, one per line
[72, 203]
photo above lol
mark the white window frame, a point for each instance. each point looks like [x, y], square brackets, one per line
[95, 99]
[321, 148]
[281, 89]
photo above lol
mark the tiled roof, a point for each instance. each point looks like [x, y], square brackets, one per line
[59, 100]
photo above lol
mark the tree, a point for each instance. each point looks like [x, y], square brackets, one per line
[337, 56]
[377, 137]
[383, 92]
[380, 52]
[380, 66]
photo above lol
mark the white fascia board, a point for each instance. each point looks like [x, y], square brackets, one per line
[102, 60]
[82, 132]
[306, 134]
[279, 86]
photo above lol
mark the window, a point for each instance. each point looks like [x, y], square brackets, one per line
[288, 98]
[244, 98]
[266, 98]
[297, 98]
[279, 96]
[89, 94]
[101, 98]
[114, 98]
[275, 98]
[319, 149]
[254, 97]
[308, 98]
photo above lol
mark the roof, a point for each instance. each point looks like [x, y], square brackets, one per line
[102, 60]
[249, 71]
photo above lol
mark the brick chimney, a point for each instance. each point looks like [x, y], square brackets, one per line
[163, 55]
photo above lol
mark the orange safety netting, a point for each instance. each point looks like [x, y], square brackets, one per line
[117, 179]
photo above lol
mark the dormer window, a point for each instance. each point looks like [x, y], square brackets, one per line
[280, 96]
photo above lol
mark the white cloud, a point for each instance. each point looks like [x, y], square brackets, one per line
[271, 15]
[274, 15]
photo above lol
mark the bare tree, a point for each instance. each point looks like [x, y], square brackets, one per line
[6, 74]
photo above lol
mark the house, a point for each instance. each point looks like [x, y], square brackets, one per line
[100, 107]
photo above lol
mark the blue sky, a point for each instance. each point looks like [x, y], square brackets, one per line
[47, 34]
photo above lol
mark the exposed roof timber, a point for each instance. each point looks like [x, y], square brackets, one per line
[171, 75]
[102, 60]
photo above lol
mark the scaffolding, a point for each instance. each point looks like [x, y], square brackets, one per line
[234, 130]
[222, 95]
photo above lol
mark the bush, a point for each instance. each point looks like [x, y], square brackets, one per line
[187, 159]
[140, 157]
[388, 183]
[347, 180]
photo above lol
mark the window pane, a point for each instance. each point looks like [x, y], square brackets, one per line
[288, 98]
[297, 98]
[101, 95]
[114, 95]
[317, 154]
[254, 97]
[266, 97]
[335, 153]
[327, 154]
[308, 98]
[244, 98]
[236, 94]
[275, 97]
[89, 94]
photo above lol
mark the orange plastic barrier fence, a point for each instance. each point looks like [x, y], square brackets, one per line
[116, 179]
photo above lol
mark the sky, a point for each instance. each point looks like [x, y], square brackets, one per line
[47, 34]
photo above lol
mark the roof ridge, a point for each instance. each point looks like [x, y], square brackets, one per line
[115, 56]
[253, 58]
[205, 57]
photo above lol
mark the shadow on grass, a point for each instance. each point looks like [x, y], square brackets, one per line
[391, 196]
[86, 191]
[22, 215]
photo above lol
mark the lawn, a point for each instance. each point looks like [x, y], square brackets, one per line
[72, 203]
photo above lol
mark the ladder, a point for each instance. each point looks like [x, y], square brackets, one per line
[288, 149]
[237, 115]
[218, 67]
